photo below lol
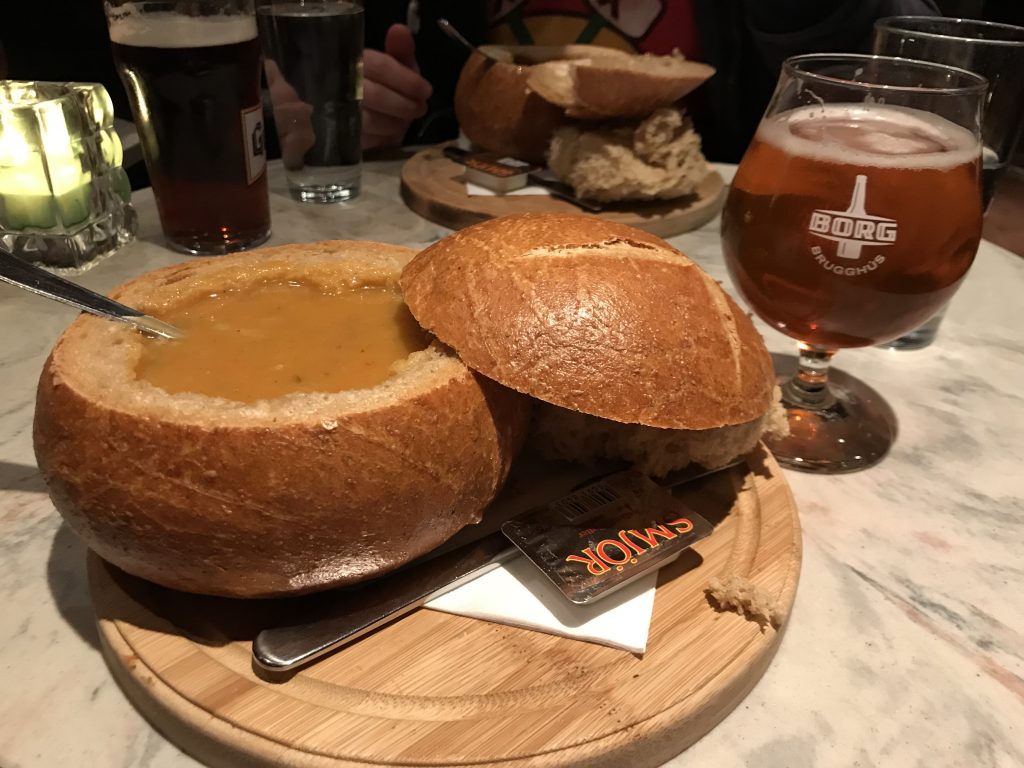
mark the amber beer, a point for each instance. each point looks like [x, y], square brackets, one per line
[194, 84]
[849, 225]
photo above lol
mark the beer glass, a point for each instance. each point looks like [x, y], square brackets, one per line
[314, 69]
[192, 72]
[995, 51]
[854, 215]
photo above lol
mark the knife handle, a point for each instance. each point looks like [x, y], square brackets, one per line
[364, 609]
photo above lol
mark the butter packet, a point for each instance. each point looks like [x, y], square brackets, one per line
[485, 169]
[603, 536]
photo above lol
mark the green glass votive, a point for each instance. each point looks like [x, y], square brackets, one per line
[65, 200]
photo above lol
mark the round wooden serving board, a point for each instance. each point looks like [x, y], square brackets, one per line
[433, 186]
[432, 689]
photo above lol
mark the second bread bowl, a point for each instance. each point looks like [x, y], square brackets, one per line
[496, 108]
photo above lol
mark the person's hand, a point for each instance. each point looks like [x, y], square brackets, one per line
[394, 94]
[292, 116]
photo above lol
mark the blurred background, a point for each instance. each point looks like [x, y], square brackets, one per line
[61, 40]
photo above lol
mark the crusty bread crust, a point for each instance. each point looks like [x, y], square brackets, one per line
[498, 112]
[593, 316]
[277, 497]
[605, 87]
[566, 435]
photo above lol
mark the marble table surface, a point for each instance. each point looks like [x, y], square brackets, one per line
[906, 642]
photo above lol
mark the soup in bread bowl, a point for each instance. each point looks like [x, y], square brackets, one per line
[305, 433]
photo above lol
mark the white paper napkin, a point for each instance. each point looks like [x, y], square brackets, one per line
[475, 190]
[518, 594]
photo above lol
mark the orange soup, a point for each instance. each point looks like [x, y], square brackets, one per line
[275, 339]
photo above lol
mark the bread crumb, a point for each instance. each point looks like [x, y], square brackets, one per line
[776, 424]
[329, 424]
[740, 594]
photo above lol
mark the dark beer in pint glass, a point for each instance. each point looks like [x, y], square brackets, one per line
[851, 224]
[194, 85]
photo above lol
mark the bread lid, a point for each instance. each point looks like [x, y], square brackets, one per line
[602, 87]
[593, 316]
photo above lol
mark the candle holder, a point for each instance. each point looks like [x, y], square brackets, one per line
[65, 200]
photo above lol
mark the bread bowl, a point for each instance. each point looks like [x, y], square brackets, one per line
[597, 319]
[279, 496]
[605, 121]
[497, 110]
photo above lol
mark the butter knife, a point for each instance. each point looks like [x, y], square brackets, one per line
[362, 609]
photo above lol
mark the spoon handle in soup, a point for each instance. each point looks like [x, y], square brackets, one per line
[42, 283]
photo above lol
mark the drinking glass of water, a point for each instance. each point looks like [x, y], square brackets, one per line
[995, 51]
[313, 53]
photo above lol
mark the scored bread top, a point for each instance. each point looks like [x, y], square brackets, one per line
[98, 358]
[604, 87]
[594, 316]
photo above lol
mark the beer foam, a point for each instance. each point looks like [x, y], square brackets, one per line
[885, 136]
[176, 30]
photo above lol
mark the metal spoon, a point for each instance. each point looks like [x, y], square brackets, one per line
[454, 34]
[32, 278]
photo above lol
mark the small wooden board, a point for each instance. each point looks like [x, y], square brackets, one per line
[434, 689]
[434, 187]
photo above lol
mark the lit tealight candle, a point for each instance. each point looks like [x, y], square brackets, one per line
[42, 182]
[65, 201]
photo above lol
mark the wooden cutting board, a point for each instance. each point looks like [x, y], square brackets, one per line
[434, 689]
[434, 187]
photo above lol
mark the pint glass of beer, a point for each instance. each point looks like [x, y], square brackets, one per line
[192, 71]
[854, 215]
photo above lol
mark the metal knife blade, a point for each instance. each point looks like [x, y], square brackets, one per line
[362, 609]
[563, 192]
[383, 600]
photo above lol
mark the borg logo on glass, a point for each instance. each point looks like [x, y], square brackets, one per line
[852, 229]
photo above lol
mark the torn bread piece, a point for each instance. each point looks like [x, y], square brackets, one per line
[659, 159]
[740, 594]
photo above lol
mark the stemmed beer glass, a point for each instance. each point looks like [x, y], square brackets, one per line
[854, 215]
